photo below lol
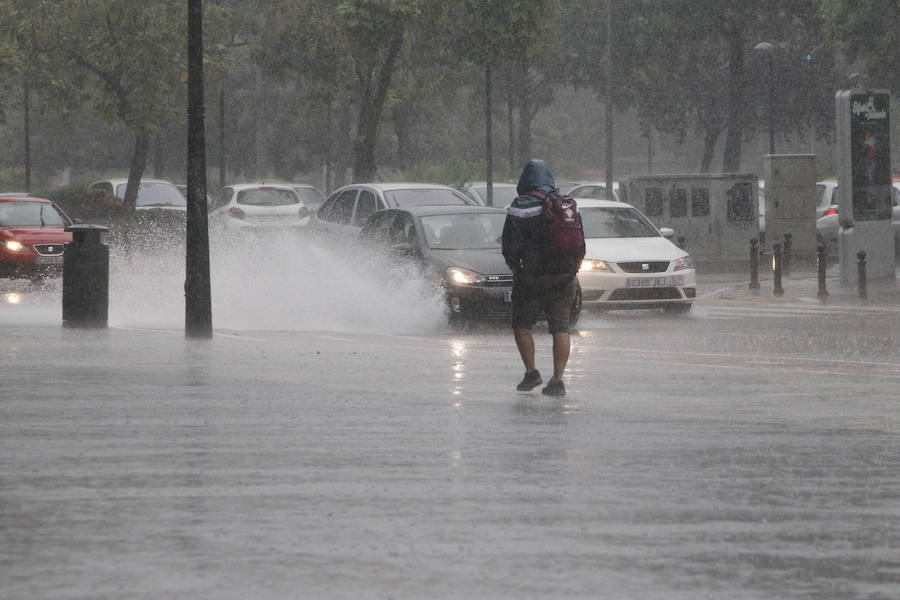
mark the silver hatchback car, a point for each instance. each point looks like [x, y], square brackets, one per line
[345, 211]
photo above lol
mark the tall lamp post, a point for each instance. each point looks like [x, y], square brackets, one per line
[769, 50]
[609, 100]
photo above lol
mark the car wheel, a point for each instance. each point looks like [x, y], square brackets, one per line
[680, 308]
[576, 306]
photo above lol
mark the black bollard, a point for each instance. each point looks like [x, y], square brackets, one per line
[787, 255]
[754, 264]
[821, 263]
[776, 255]
[861, 266]
[85, 301]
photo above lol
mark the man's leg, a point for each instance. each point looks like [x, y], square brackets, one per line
[525, 344]
[561, 349]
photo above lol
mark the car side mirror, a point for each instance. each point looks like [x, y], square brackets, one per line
[405, 249]
[667, 232]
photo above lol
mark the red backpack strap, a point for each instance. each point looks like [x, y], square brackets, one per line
[539, 195]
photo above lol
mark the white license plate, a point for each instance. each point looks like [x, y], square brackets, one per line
[507, 295]
[50, 260]
[645, 282]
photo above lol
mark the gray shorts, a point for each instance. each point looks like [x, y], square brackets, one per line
[551, 295]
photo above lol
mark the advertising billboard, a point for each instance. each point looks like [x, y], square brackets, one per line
[870, 155]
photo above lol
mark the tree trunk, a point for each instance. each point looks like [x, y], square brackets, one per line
[709, 148]
[489, 135]
[364, 165]
[511, 142]
[138, 164]
[731, 162]
[159, 157]
[27, 114]
[525, 122]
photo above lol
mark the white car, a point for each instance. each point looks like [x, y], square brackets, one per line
[258, 206]
[502, 193]
[152, 193]
[594, 191]
[629, 263]
[345, 211]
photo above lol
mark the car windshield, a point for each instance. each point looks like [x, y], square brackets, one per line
[615, 222]
[155, 194]
[30, 214]
[267, 196]
[464, 231]
[424, 197]
[310, 196]
[503, 196]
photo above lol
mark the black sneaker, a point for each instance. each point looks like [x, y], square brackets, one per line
[531, 380]
[554, 387]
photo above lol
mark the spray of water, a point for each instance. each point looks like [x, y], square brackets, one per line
[272, 282]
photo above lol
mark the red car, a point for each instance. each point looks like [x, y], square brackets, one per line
[32, 235]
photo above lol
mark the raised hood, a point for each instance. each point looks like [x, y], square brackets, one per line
[632, 249]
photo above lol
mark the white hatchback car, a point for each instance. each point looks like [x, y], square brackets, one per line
[259, 206]
[629, 263]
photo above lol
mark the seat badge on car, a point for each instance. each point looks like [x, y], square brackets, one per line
[645, 267]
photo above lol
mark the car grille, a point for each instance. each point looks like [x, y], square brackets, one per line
[49, 249]
[498, 280]
[662, 293]
[659, 266]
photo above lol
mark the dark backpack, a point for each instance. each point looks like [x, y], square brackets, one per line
[565, 234]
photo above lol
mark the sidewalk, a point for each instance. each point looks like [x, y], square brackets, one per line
[799, 287]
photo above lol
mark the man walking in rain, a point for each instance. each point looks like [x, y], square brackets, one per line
[542, 281]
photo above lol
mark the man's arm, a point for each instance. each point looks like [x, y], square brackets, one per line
[512, 245]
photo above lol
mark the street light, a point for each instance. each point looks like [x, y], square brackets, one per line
[769, 50]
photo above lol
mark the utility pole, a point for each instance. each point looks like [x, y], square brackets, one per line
[27, 118]
[609, 102]
[198, 303]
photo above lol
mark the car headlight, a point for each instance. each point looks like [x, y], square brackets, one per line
[13, 245]
[595, 266]
[460, 276]
[685, 262]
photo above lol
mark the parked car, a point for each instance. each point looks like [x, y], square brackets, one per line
[459, 247]
[629, 263]
[259, 206]
[594, 191]
[503, 193]
[345, 211]
[32, 237]
[827, 225]
[152, 193]
[826, 198]
[310, 195]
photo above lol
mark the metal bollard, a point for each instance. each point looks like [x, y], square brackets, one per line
[787, 254]
[821, 263]
[776, 258]
[861, 267]
[85, 301]
[754, 264]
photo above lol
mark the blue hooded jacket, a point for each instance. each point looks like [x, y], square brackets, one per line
[525, 233]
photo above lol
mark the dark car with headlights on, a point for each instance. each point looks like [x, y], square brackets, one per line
[32, 237]
[458, 247]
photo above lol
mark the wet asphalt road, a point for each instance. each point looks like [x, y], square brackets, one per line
[740, 452]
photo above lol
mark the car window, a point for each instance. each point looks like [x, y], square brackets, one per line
[154, 194]
[104, 186]
[615, 222]
[403, 230]
[378, 228]
[30, 214]
[502, 195]
[343, 207]
[426, 197]
[267, 196]
[463, 231]
[366, 204]
[310, 196]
